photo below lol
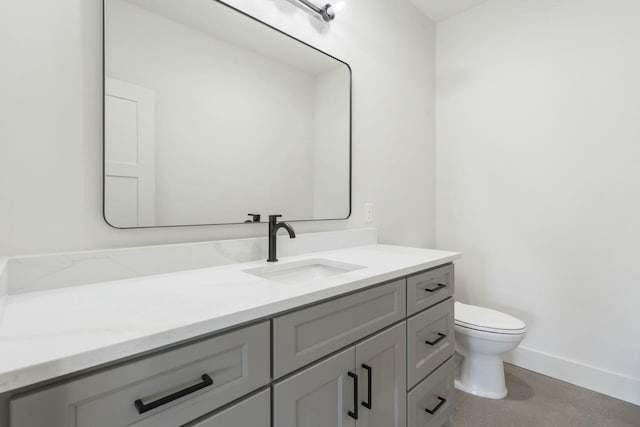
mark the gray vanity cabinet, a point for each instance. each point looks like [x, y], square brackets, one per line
[323, 395]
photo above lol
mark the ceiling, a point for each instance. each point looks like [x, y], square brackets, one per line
[439, 10]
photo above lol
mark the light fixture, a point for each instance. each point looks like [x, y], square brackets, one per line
[326, 12]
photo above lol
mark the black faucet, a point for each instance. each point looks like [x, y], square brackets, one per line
[274, 227]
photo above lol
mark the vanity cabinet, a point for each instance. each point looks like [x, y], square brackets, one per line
[363, 385]
[378, 357]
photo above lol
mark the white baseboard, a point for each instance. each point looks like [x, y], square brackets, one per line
[610, 383]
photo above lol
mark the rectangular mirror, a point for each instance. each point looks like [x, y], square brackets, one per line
[211, 115]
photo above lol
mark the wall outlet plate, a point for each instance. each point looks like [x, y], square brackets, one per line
[368, 212]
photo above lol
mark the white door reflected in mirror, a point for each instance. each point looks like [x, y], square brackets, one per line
[129, 182]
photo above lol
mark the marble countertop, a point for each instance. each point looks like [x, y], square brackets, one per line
[50, 333]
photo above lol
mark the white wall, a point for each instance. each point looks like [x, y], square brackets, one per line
[538, 183]
[51, 123]
[213, 165]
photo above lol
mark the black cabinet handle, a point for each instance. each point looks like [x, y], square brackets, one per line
[437, 288]
[354, 414]
[438, 406]
[367, 404]
[142, 408]
[440, 338]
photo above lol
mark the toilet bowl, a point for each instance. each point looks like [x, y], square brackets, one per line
[482, 337]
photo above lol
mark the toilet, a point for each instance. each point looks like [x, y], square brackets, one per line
[482, 337]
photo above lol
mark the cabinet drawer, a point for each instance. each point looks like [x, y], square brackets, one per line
[236, 363]
[304, 336]
[431, 402]
[252, 412]
[430, 340]
[429, 288]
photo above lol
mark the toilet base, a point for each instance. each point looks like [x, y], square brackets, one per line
[482, 375]
[479, 393]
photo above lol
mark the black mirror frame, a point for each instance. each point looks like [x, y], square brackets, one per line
[104, 207]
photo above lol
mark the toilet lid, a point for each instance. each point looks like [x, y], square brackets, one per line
[485, 319]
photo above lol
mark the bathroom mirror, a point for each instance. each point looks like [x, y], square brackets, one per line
[211, 115]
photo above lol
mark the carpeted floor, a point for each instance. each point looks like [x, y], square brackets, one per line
[535, 400]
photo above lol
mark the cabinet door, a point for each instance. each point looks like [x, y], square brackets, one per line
[252, 412]
[320, 396]
[382, 369]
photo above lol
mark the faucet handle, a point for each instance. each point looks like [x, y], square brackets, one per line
[254, 217]
[274, 218]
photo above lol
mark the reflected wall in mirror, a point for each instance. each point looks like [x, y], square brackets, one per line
[211, 115]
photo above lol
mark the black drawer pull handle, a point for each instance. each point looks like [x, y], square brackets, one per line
[367, 404]
[440, 338]
[142, 408]
[437, 288]
[438, 406]
[353, 414]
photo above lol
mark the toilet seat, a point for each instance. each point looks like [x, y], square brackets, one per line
[487, 320]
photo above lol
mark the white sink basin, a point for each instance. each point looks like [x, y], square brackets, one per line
[303, 271]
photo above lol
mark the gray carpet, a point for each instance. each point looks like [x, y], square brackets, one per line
[536, 400]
